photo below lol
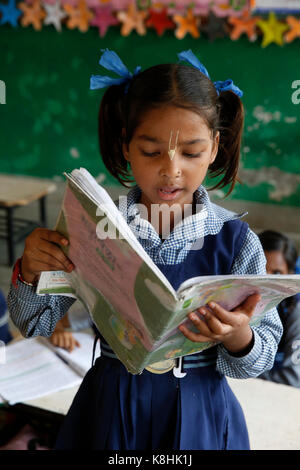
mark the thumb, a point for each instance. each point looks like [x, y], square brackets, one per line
[248, 306]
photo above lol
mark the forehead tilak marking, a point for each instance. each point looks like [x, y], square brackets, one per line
[171, 151]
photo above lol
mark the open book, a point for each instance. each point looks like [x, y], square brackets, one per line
[130, 301]
[34, 368]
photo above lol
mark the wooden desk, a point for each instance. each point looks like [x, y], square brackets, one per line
[16, 191]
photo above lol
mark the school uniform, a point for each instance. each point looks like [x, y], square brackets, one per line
[114, 409]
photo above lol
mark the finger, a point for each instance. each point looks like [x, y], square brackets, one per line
[77, 343]
[248, 306]
[220, 314]
[52, 251]
[36, 266]
[200, 323]
[216, 325]
[54, 237]
[195, 337]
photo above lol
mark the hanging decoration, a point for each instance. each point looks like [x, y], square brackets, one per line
[132, 19]
[54, 14]
[186, 24]
[214, 27]
[273, 30]
[33, 14]
[294, 31]
[103, 19]
[10, 13]
[159, 20]
[246, 24]
[275, 22]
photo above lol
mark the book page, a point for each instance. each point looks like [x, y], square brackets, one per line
[80, 359]
[32, 370]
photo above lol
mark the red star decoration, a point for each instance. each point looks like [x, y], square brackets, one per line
[159, 20]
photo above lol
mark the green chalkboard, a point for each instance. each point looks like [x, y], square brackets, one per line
[49, 121]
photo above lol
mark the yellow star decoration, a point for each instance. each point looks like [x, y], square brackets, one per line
[273, 30]
[79, 16]
[132, 19]
[33, 14]
[186, 24]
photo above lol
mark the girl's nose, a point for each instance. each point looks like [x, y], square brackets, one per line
[170, 167]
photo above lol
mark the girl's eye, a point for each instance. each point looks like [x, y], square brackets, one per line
[192, 155]
[149, 154]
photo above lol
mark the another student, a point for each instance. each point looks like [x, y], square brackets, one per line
[281, 255]
[173, 126]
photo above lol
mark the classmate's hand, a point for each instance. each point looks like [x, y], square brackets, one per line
[219, 325]
[43, 253]
[64, 339]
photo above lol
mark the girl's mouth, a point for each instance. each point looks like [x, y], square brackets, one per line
[168, 195]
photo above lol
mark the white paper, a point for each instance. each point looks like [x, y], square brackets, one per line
[33, 370]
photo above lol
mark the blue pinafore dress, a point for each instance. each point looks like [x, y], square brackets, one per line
[116, 410]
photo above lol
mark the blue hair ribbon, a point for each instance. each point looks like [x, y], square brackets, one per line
[220, 86]
[112, 62]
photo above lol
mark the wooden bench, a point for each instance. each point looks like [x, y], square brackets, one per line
[16, 191]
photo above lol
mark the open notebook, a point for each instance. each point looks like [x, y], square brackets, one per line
[34, 368]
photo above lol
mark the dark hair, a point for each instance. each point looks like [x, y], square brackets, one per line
[177, 85]
[275, 241]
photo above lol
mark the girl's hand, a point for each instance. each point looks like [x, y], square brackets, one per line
[64, 339]
[219, 325]
[43, 253]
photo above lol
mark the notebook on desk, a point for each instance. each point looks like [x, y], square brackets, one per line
[35, 368]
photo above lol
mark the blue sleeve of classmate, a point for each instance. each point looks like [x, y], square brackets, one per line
[36, 315]
[251, 260]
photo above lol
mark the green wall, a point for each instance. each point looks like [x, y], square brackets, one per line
[49, 121]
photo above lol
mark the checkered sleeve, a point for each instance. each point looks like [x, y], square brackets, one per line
[251, 260]
[35, 315]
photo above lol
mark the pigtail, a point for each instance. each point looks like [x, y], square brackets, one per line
[231, 123]
[110, 125]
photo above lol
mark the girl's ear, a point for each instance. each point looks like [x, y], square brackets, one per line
[215, 148]
[125, 148]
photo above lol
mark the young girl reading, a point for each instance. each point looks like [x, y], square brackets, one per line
[173, 126]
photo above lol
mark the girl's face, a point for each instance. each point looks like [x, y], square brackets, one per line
[162, 179]
[276, 263]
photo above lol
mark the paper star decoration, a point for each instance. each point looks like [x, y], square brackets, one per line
[294, 31]
[10, 13]
[54, 15]
[215, 27]
[79, 17]
[103, 19]
[159, 20]
[33, 14]
[272, 30]
[186, 24]
[246, 24]
[132, 19]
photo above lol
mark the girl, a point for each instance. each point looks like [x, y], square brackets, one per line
[172, 125]
[281, 256]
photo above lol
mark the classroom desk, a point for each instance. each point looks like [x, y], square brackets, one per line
[272, 411]
[17, 191]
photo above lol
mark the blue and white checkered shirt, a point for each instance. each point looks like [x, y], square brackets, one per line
[36, 315]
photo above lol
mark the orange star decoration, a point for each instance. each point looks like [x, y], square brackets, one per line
[186, 24]
[33, 14]
[295, 29]
[273, 30]
[79, 16]
[245, 24]
[132, 19]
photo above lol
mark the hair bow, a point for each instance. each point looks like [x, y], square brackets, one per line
[220, 86]
[111, 61]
